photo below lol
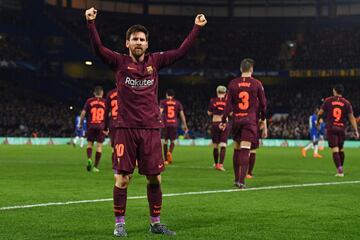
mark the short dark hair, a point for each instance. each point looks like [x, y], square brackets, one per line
[98, 90]
[170, 93]
[246, 64]
[137, 28]
[339, 88]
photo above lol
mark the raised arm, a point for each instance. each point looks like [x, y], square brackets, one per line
[107, 56]
[169, 57]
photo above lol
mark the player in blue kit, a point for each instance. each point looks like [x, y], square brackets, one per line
[79, 132]
[314, 136]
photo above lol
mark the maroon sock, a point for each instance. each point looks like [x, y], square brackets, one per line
[236, 164]
[120, 196]
[244, 163]
[337, 159]
[165, 146]
[216, 155]
[222, 154]
[251, 163]
[154, 196]
[172, 146]
[89, 152]
[342, 157]
[97, 159]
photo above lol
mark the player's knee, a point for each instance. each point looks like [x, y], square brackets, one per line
[236, 145]
[245, 145]
[335, 149]
[122, 181]
[156, 179]
[215, 145]
[222, 144]
[253, 151]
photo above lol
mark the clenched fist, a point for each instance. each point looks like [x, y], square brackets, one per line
[90, 14]
[200, 20]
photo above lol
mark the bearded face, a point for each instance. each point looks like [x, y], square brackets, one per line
[137, 44]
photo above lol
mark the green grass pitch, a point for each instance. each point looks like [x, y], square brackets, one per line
[44, 174]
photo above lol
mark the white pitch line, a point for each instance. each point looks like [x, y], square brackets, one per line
[181, 194]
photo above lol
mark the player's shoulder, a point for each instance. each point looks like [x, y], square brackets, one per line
[329, 99]
[346, 101]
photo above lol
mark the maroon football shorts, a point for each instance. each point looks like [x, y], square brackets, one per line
[336, 137]
[244, 132]
[170, 133]
[141, 145]
[95, 135]
[218, 135]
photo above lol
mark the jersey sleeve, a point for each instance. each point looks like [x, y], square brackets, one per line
[163, 59]
[86, 106]
[109, 57]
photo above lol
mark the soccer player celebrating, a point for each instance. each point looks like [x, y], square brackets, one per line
[79, 131]
[137, 134]
[94, 109]
[314, 136]
[219, 137]
[246, 97]
[337, 108]
[169, 109]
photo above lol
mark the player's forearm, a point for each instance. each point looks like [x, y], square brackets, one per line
[187, 43]
[99, 49]
[353, 123]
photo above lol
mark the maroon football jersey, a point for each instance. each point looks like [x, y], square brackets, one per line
[217, 106]
[337, 110]
[95, 112]
[247, 99]
[137, 82]
[112, 107]
[171, 109]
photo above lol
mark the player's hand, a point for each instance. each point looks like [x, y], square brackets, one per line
[222, 126]
[264, 133]
[200, 20]
[106, 132]
[356, 134]
[90, 14]
[186, 130]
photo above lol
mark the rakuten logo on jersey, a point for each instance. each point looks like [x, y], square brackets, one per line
[136, 83]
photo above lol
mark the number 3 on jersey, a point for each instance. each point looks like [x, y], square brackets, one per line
[244, 104]
[97, 115]
[337, 114]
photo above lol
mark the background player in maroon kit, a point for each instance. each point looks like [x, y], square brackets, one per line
[337, 108]
[94, 109]
[137, 134]
[169, 109]
[246, 97]
[219, 137]
[111, 116]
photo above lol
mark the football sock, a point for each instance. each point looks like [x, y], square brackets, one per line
[236, 164]
[97, 159]
[222, 154]
[75, 140]
[89, 152]
[342, 157]
[81, 142]
[154, 196]
[120, 196]
[310, 145]
[172, 146]
[244, 163]
[165, 147]
[216, 155]
[252, 159]
[316, 149]
[337, 159]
